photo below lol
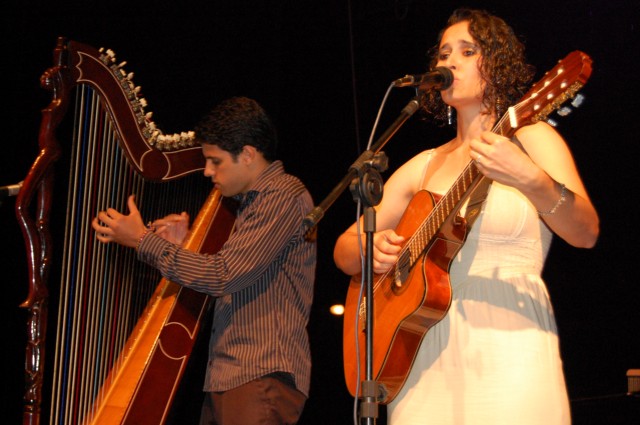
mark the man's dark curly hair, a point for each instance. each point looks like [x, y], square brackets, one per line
[503, 65]
[235, 123]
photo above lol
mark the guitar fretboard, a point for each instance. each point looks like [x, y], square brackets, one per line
[448, 205]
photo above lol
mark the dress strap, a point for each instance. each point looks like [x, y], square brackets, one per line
[430, 154]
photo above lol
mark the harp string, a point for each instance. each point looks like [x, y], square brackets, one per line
[103, 287]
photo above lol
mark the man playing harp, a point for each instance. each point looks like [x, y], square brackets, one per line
[262, 278]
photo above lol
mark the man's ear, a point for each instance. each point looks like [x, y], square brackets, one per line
[248, 153]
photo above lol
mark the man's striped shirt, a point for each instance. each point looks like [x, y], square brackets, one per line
[262, 280]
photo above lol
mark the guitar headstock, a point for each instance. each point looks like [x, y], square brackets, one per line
[556, 87]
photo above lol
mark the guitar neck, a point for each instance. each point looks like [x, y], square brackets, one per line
[448, 206]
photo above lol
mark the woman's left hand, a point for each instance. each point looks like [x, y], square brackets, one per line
[503, 160]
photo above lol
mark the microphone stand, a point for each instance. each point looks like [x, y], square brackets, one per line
[366, 186]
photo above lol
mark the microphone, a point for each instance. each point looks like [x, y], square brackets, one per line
[439, 79]
[10, 190]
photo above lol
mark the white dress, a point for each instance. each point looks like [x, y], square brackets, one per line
[494, 358]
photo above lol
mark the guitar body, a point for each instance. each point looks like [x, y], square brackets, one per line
[402, 315]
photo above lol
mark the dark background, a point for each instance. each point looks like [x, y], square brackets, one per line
[321, 69]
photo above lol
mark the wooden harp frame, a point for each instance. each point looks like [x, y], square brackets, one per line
[153, 361]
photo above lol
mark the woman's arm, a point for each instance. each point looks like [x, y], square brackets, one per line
[543, 169]
[398, 191]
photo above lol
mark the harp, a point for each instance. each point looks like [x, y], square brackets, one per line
[123, 336]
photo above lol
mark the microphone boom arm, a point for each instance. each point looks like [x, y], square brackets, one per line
[312, 218]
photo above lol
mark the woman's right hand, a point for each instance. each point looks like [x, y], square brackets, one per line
[387, 245]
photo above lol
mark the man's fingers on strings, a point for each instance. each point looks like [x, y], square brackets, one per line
[112, 213]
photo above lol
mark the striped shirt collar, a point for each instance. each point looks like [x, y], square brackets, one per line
[273, 170]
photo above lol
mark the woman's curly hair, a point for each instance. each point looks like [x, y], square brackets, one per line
[503, 65]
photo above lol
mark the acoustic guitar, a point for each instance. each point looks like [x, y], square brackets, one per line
[415, 293]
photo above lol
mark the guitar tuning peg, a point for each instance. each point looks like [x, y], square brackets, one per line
[552, 122]
[564, 111]
[577, 101]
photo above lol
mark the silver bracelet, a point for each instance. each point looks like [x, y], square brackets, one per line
[150, 228]
[563, 197]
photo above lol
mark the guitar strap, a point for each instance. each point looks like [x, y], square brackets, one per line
[476, 199]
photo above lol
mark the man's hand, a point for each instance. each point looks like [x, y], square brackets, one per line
[112, 226]
[173, 227]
